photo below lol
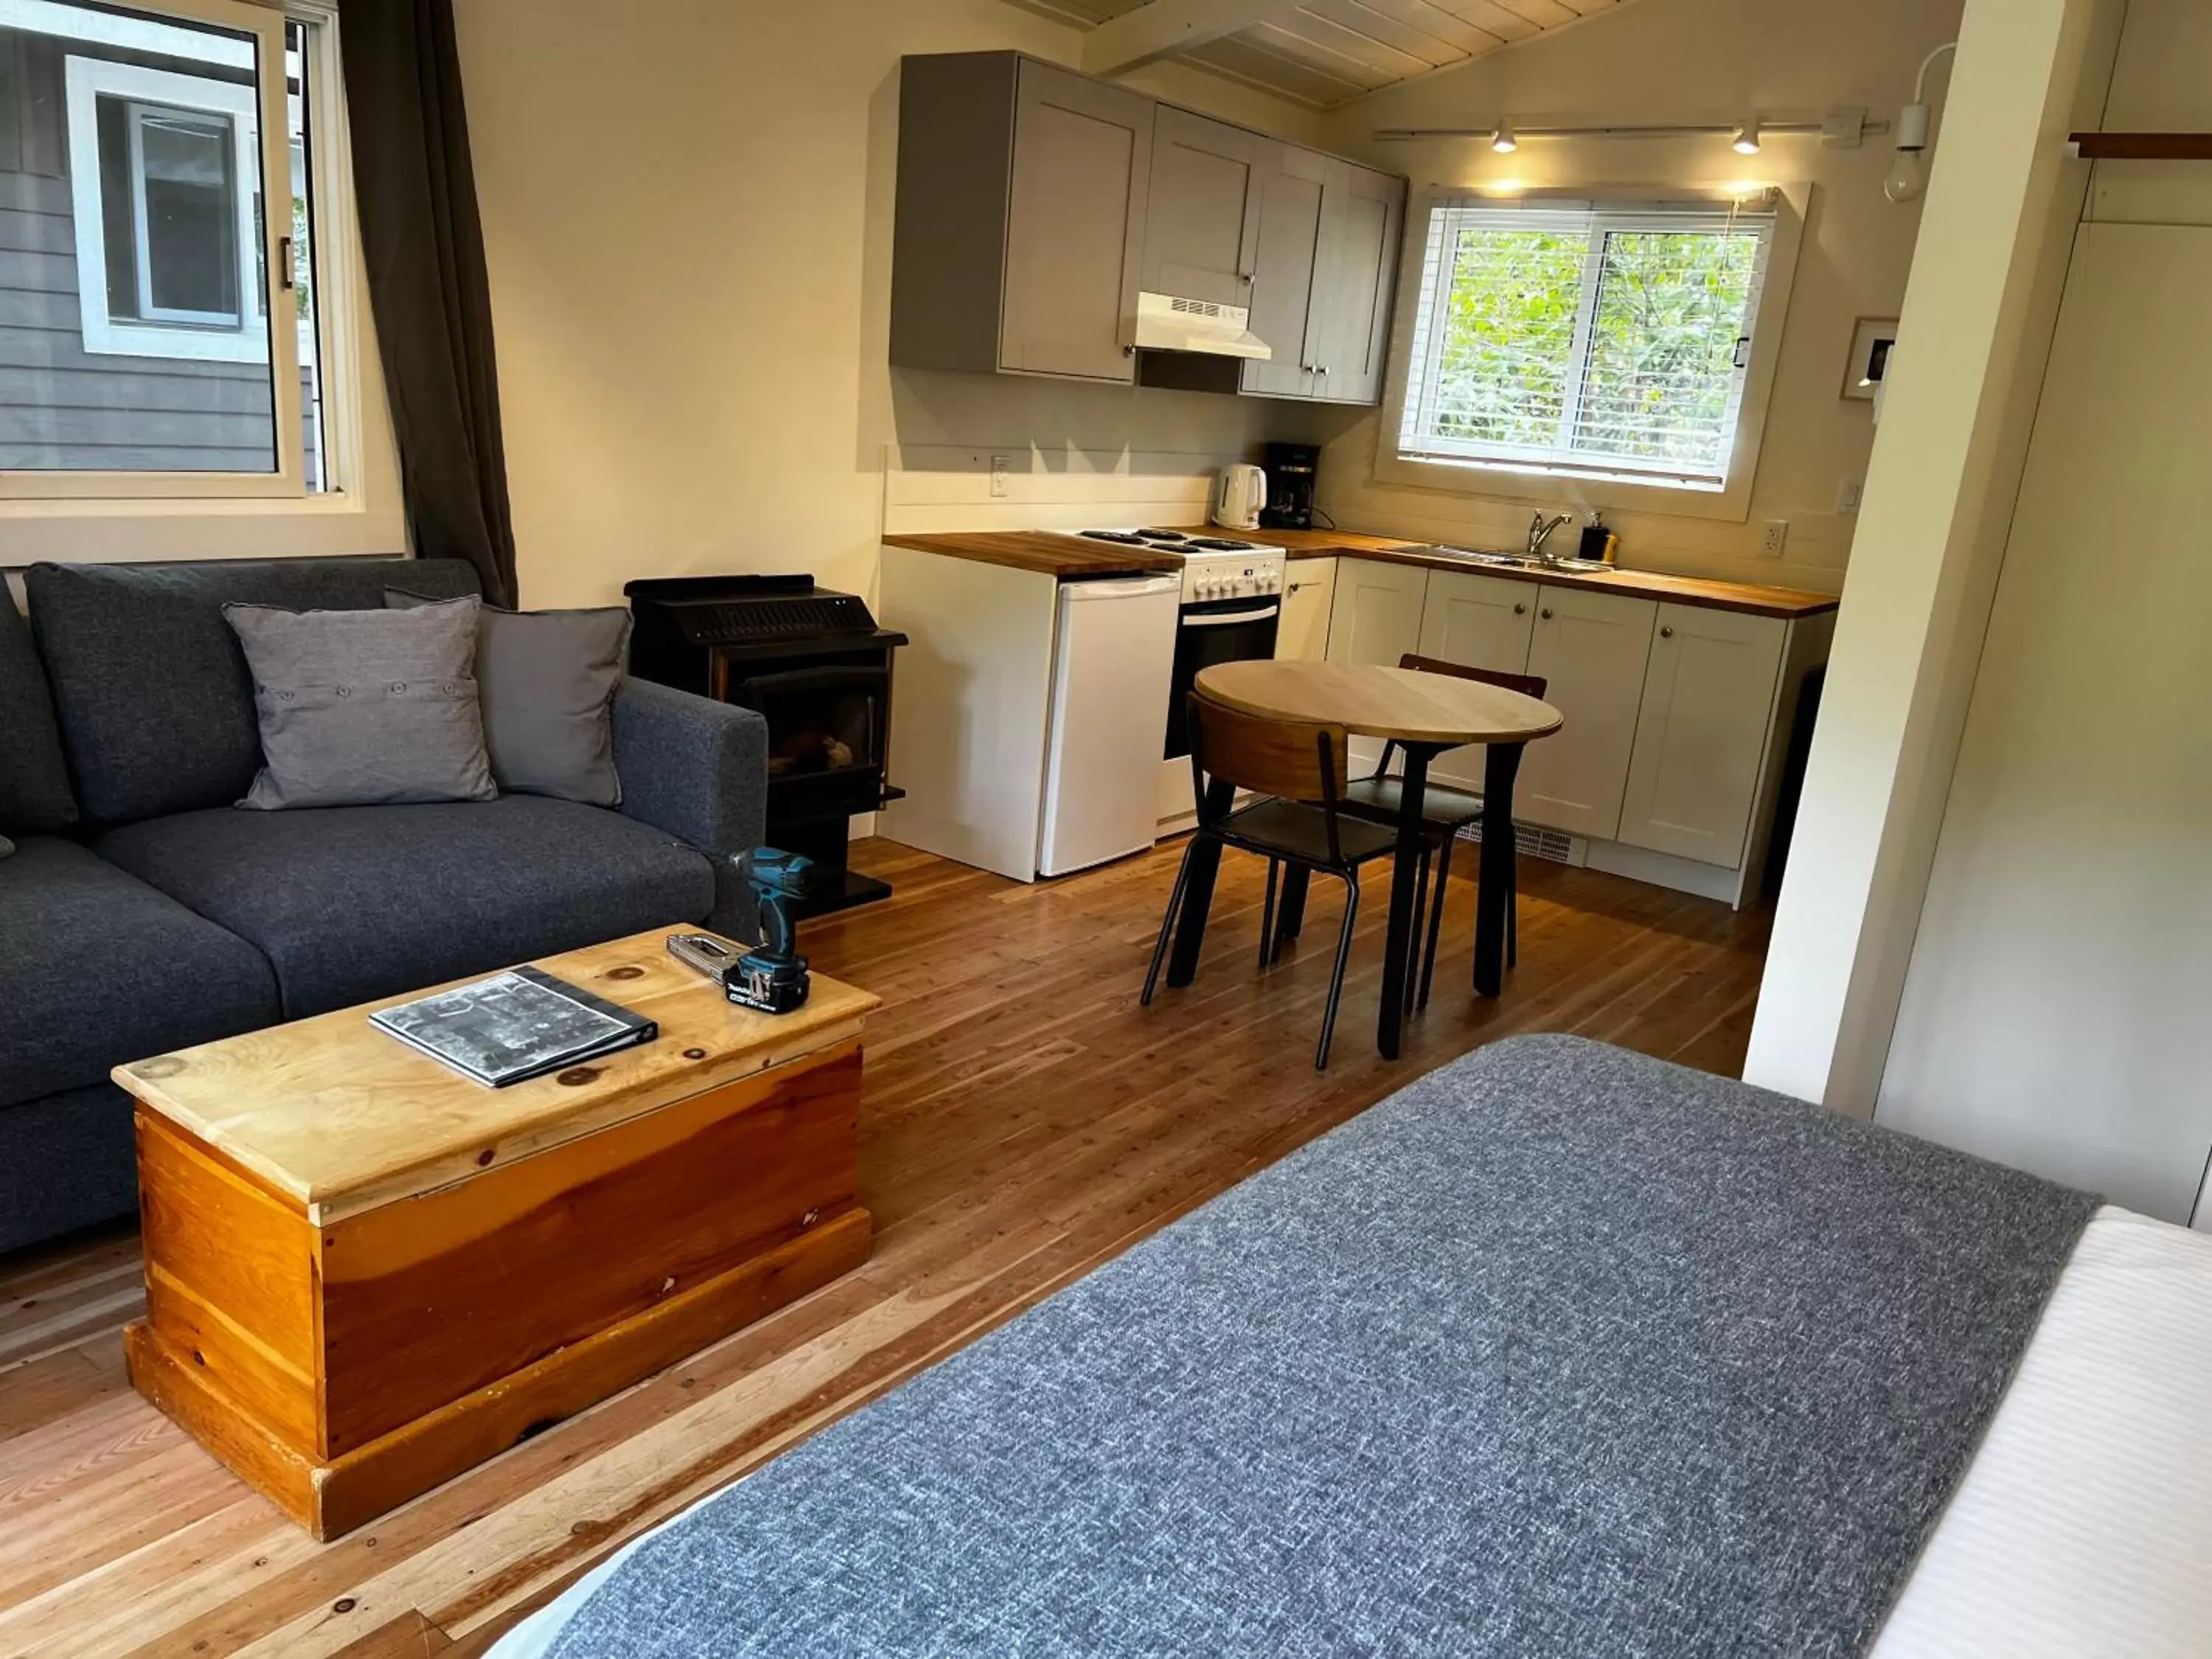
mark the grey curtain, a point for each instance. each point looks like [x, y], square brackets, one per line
[423, 247]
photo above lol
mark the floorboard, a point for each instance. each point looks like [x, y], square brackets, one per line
[1024, 1120]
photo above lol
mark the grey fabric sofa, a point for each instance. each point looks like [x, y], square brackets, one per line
[141, 911]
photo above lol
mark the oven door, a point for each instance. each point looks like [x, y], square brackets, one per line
[1216, 630]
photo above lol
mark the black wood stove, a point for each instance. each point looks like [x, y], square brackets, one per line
[813, 664]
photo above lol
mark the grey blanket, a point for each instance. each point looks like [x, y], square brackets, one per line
[1559, 1351]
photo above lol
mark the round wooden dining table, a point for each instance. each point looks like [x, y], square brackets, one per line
[1425, 714]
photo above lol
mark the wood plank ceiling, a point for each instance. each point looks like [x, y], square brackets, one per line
[1322, 53]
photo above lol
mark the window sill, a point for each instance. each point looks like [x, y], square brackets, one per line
[1731, 504]
[149, 530]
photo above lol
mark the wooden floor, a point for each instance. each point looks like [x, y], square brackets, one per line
[1024, 1121]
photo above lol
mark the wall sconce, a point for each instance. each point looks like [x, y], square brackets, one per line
[1908, 175]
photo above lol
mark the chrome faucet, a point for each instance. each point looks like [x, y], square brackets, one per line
[1540, 531]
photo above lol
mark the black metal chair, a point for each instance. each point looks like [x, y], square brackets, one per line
[1299, 771]
[1444, 813]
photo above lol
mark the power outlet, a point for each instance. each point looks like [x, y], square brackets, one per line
[1774, 539]
[1847, 497]
[998, 477]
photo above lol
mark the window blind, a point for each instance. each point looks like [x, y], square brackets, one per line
[1585, 340]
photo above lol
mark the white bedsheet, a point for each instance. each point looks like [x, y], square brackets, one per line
[2084, 1525]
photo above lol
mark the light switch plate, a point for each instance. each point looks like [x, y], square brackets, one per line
[1847, 497]
[998, 477]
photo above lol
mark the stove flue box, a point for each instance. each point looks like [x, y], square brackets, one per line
[813, 662]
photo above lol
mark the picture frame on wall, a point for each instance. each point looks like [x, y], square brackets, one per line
[1873, 339]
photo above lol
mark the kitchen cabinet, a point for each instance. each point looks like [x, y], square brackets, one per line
[1202, 212]
[1693, 779]
[1284, 313]
[1362, 216]
[1326, 262]
[1678, 716]
[1480, 621]
[1592, 651]
[1377, 613]
[1033, 204]
[1309, 593]
[1017, 244]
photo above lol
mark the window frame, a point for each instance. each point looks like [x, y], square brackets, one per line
[156, 333]
[1789, 203]
[140, 517]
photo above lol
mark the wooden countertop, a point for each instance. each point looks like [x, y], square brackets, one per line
[1746, 597]
[1050, 553]
[1047, 552]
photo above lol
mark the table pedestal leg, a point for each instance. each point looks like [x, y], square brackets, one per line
[1495, 888]
[1405, 885]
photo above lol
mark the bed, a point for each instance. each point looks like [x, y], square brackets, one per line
[1559, 1350]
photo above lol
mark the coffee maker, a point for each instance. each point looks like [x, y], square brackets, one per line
[1290, 469]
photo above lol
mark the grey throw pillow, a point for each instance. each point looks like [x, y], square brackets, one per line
[546, 680]
[7, 847]
[365, 707]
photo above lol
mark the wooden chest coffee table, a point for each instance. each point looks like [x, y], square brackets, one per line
[365, 1273]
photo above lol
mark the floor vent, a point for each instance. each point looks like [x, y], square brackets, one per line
[1536, 843]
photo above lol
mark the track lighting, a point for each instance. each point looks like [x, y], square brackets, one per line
[1746, 142]
[1503, 140]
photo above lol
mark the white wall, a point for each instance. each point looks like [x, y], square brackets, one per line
[2054, 1013]
[686, 209]
[1688, 60]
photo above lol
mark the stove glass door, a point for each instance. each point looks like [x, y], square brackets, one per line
[1216, 631]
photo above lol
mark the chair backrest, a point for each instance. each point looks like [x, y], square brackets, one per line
[1294, 759]
[1528, 686]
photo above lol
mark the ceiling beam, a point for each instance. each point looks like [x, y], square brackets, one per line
[1165, 27]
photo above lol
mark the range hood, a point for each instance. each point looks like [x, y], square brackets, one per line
[1167, 322]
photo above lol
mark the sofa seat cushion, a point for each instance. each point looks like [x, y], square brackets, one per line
[356, 902]
[97, 967]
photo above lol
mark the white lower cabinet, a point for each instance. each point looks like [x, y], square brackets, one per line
[1309, 591]
[1708, 700]
[1591, 648]
[1483, 622]
[1677, 716]
[1376, 616]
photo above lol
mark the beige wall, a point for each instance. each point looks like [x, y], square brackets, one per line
[1978, 319]
[687, 211]
[2053, 1016]
[1690, 60]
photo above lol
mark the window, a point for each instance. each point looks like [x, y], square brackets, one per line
[1586, 342]
[165, 337]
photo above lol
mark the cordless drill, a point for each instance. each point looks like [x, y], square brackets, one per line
[773, 978]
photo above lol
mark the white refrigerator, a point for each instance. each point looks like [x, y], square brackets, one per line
[1113, 658]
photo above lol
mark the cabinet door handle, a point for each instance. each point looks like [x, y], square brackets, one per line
[1666, 633]
[1520, 610]
[1546, 613]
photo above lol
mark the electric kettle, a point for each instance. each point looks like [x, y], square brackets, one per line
[1242, 494]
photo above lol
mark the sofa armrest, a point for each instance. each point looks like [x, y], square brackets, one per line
[697, 769]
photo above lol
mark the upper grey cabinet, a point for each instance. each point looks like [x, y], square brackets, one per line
[1035, 203]
[1362, 217]
[1022, 193]
[1320, 290]
[1202, 217]
[1283, 292]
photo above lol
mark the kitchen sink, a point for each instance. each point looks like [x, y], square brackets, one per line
[1500, 559]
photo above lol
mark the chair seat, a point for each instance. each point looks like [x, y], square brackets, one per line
[1443, 807]
[1287, 828]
